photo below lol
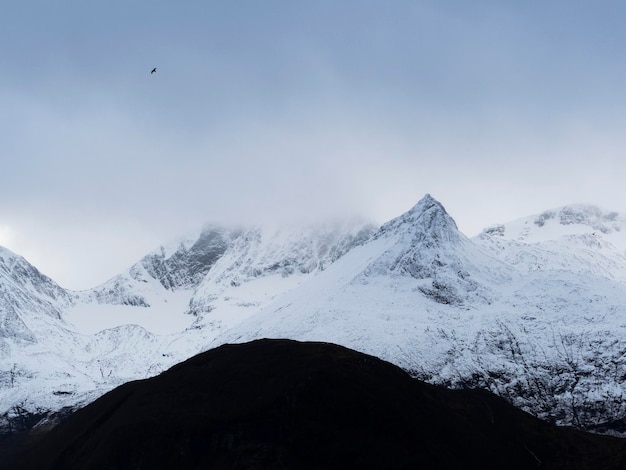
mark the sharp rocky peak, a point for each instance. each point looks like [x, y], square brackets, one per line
[427, 221]
[23, 275]
[26, 291]
[427, 246]
[186, 265]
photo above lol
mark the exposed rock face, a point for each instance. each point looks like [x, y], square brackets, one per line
[187, 266]
[289, 254]
[180, 266]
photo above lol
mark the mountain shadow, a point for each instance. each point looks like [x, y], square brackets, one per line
[281, 404]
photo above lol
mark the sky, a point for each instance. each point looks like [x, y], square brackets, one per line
[283, 110]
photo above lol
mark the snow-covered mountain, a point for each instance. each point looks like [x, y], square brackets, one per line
[45, 364]
[179, 265]
[533, 310]
[60, 348]
[23, 289]
[541, 323]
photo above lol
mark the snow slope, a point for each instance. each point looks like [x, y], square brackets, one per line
[534, 309]
[44, 362]
[541, 323]
[61, 348]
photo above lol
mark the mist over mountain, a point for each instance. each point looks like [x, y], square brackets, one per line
[532, 310]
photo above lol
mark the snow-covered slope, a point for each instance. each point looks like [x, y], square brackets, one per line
[45, 364]
[569, 342]
[264, 263]
[541, 323]
[533, 310]
[24, 290]
[417, 272]
[179, 265]
[572, 220]
[60, 348]
[416, 263]
[577, 238]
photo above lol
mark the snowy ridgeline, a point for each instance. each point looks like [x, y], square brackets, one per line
[532, 310]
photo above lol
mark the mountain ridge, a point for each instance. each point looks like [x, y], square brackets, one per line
[536, 320]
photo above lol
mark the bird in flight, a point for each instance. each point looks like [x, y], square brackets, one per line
[153, 71]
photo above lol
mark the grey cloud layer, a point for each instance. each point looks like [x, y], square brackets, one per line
[298, 109]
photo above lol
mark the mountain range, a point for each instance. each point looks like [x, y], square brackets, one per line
[532, 310]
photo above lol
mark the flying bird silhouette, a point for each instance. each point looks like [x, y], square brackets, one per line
[153, 71]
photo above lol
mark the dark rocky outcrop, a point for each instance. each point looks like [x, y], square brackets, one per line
[284, 404]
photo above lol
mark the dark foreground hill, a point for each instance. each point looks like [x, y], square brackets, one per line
[278, 404]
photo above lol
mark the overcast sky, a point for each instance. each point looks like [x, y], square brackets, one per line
[284, 110]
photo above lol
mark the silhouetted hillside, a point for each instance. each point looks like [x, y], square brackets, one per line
[279, 404]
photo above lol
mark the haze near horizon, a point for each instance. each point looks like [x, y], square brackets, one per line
[289, 111]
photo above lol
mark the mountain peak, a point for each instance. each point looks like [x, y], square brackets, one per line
[429, 204]
[426, 220]
[426, 245]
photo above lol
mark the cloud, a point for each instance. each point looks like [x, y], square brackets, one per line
[296, 113]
